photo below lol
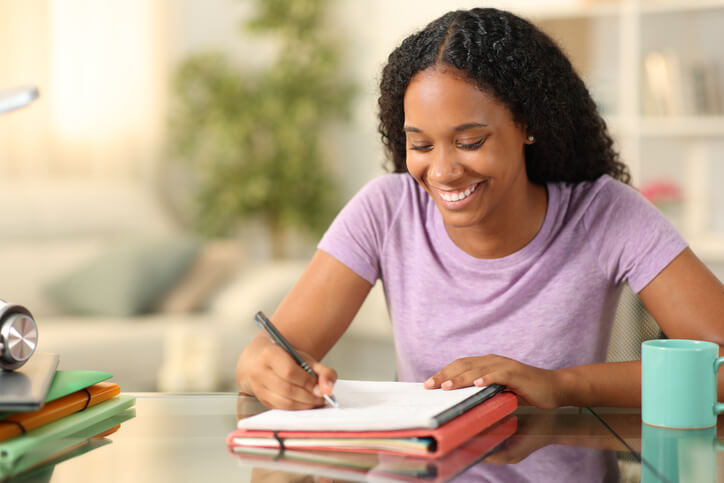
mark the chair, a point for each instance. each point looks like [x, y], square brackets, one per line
[632, 325]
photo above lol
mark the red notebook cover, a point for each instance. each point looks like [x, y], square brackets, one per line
[446, 437]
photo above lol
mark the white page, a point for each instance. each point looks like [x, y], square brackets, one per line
[366, 406]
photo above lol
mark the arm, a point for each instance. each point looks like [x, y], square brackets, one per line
[312, 317]
[686, 300]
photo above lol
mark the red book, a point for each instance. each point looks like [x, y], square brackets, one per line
[419, 442]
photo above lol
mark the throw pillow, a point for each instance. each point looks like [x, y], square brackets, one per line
[127, 280]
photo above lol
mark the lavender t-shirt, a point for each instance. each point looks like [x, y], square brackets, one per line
[551, 304]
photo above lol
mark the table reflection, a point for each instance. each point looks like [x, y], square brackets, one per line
[669, 455]
[672, 455]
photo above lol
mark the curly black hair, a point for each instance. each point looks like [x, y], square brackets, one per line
[511, 59]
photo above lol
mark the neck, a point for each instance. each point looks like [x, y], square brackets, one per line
[509, 229]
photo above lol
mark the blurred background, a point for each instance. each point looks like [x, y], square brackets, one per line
[185, 156]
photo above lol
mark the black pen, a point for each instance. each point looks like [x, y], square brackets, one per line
[276, 337]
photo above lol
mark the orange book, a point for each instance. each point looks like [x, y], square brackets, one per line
[19, 423]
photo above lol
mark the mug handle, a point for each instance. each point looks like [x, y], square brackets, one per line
[718, 407]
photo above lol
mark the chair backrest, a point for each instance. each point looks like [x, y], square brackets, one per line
[632, 325]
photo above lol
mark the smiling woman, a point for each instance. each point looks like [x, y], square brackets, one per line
[503, 238]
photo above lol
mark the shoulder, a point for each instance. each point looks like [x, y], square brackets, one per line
[601, 191]
[598, 198]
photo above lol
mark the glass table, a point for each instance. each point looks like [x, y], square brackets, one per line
[181, 437]
[668, 455]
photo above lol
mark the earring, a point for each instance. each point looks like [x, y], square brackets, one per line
[531, 138]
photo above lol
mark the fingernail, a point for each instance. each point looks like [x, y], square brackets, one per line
[478, 381]
[429, 382]
[447, 385]
[317, 391]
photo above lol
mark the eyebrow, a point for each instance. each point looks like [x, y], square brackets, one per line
[461, 127]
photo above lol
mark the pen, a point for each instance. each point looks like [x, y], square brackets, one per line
[276, 337]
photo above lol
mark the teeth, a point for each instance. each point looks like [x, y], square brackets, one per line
[457, 196]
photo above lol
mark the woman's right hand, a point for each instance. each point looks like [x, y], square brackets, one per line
[266, 371]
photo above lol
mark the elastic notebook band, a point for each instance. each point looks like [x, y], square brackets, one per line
[281, 445]
[16, 423]
[87, 401]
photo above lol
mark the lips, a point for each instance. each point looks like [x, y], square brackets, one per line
[455, 199]
[458, 195]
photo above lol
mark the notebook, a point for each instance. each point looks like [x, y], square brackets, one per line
[388, 417]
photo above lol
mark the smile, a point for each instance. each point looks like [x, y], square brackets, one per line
[457, 195]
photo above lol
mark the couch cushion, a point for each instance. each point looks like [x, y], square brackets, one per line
[126, 280]
[28, 266]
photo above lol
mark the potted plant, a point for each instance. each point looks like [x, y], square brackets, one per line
[252, 140]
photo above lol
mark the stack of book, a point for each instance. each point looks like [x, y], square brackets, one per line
[79, 409]
[396, 429]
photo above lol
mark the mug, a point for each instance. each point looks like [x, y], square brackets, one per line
[673, 455]
[678, 383]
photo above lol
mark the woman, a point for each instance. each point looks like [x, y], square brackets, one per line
[502, 239]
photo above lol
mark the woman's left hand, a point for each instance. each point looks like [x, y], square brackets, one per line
[535, 386]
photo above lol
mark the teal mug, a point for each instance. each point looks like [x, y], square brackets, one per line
[678, 383]
[671, 455]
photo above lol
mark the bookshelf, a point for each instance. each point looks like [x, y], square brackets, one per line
[656, 70]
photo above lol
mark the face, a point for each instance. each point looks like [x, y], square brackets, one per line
[464, 148]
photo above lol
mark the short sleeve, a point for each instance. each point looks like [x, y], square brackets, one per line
[356, 237]
[633, 240]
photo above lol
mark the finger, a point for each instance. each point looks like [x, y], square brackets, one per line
[326, 377]
[276, 392]
[286, 368]
[464, 379]
[287, 378]
[456, 374]
[448, 372]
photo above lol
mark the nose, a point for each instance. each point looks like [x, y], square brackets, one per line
[445, 167]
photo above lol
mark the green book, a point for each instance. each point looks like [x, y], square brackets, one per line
[12, 449]
[68, 382]
[47, 455]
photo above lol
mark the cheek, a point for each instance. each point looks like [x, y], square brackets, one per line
[415, 166]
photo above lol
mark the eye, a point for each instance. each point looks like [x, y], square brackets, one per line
[471, 146]
[421, 147]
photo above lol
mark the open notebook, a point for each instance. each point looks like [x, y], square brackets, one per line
[391, 417]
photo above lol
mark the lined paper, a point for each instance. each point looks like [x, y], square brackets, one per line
[366, 406]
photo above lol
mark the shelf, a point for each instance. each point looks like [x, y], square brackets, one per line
[702, 126]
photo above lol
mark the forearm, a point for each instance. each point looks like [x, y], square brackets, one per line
[608, 384]
[605, 384]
